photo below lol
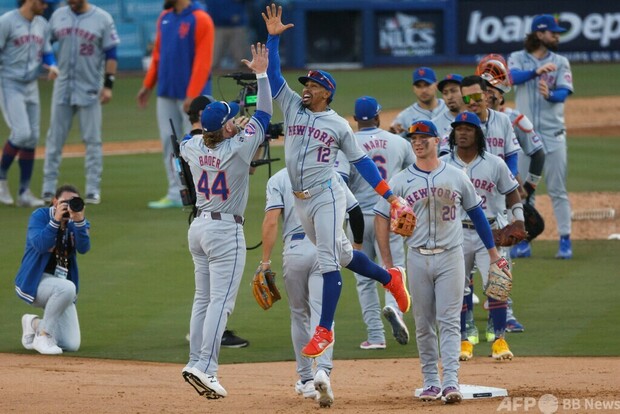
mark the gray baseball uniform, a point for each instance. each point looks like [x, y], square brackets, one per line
[22, 43]
[548, 120]
[82, 40]
[499, 135]
[413, 112]
[443, 123]
[216, 238]
[493, 180]
[391, 154]
[435, 262]
[302, 278]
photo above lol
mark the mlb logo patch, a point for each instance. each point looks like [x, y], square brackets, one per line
[250, 130]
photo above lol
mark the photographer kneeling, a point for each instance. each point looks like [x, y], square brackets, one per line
[48, 275]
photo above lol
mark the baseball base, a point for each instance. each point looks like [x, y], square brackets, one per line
[474, 392]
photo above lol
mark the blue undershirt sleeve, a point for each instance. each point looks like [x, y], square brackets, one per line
[482, 226]
[558, 95]
[512, 161]
[110, 54]
[276, 80]
[521, 76]
[49, 59]
[368, 169]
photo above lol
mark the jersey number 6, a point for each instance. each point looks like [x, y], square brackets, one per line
[219, 186]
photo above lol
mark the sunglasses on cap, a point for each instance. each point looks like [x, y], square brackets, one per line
[476, 97]
[315, 74]
[419, 127]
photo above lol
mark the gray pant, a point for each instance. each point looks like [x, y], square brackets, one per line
[90, 129]
[168, 109]
[218, 251]
[436, 286]
[303, 282]
[554, 173]
[367, 288]
[57, 297]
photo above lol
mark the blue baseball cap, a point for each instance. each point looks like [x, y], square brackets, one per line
[450, 77]
[323, 78]
[366, 108]
[466, 118]
[216, 114]
[425, 74]
[544, 22]
[423, 127]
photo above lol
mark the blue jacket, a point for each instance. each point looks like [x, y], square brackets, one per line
[40, 241]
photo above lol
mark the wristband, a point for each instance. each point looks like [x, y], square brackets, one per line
[533, 179]
[268, 262]
[517, 211]
[261, 75]
[108, 80]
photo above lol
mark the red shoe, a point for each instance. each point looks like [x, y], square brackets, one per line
[398, 288]
[321, 341]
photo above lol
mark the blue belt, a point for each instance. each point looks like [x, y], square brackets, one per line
[298, 236]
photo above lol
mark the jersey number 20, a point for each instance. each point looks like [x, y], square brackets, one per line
[219, 186]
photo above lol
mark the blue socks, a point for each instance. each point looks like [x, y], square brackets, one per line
[26, 165]
[362, 265]
[332, 286]
[9, 152]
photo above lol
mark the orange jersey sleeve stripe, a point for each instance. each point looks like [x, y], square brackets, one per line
[203, 57]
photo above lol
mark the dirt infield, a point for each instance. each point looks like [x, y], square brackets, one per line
[36, 383]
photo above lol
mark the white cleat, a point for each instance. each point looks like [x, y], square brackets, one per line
[5, 193]
[307, 389]
[46, 345]
[204, 384]
[475, 299]
[28, 332]
[323, 386]
[27, 199]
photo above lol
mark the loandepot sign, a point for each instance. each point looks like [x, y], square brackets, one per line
[604, 28]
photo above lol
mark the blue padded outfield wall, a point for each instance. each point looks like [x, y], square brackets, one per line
[366, 33]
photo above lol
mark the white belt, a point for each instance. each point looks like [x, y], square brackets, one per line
[429, 252]
[305, 194]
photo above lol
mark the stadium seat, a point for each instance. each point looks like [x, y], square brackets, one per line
[114, 7]
[132, 48]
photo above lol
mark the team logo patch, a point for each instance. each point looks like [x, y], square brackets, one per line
[250, 130]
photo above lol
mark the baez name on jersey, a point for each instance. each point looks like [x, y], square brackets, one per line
[209, 161]
[313, 132]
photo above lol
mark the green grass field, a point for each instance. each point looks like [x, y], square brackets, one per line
[137, 282]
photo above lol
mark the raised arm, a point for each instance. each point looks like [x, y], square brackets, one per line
[259, 64]
[275, 27]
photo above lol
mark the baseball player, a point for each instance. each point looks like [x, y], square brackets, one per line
[450, 88]
[24, 44]
[314, 134]
[87, 42]
[501, 139]
[220, 162]
[543, 80]
[302, 280]
[391, 154]
[436, 191]
[180, 66]
[498, 189]
[428, 105]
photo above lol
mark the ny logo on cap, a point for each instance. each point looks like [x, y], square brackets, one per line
[421, 72]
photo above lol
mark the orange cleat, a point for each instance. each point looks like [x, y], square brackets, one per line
[398, 288]
[320, 342]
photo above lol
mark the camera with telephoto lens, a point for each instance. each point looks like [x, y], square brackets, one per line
[76, 204]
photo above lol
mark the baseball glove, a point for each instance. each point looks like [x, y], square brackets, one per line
[534, 223]
[264, 288]
[403, 218]
[510, 235]
[499, 284]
